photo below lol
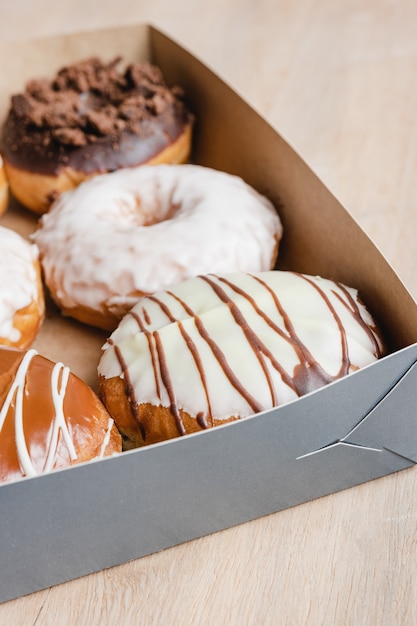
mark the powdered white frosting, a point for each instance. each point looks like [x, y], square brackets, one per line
[233, 345]
[146, 228]
[18, 281]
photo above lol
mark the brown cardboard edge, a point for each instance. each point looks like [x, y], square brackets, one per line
[309, 211]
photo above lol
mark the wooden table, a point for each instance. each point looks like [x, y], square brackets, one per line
[338, 80]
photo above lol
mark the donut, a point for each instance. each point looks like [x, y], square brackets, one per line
[219, 348]
[22, 303]
[136, 231]
[4, 188]
[91, 118]
[49, 418]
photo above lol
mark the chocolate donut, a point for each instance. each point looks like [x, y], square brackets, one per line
[91, 118]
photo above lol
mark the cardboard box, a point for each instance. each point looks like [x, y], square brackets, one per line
[64, 525]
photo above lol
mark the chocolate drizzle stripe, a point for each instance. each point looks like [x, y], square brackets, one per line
[151, 347]
[190, 345]
[146, 316]
[234, 381]
[308, 368]
[166, 379]
[258, 347]
[161, 360]
[130, 392]
[345, 365]
[292, 338]
[353, 307]
[164, 308]
[219, 355]
[199, 364]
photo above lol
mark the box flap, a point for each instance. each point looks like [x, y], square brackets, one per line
[320, 236]
[389, 424]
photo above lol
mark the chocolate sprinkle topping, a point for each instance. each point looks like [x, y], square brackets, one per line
[90, 115]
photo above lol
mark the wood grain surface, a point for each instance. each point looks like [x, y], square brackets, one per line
[338, 81]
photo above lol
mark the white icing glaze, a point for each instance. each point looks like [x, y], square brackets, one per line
[59, 379]
[263, 339]
[17, 279]
[146, 228]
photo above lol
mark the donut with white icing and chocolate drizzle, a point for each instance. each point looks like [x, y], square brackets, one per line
[91, 118]
[218, 348]
[22, 304]
[49, 418]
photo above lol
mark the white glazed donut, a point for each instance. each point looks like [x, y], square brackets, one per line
[222, 347]
[22, 304]
[123, 235]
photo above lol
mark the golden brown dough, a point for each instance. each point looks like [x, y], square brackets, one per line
[38, 191]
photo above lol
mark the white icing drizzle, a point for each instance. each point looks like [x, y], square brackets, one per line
[106, 439]
[59, 424]
[16, 391]
[147, 228]
[59, 379]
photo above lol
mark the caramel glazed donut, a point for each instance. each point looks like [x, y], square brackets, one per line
[91, 119]
[49, 418]
[123, 235]
[22, 304]
[218, 348]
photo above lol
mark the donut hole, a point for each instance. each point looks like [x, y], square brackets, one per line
[134, 211]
